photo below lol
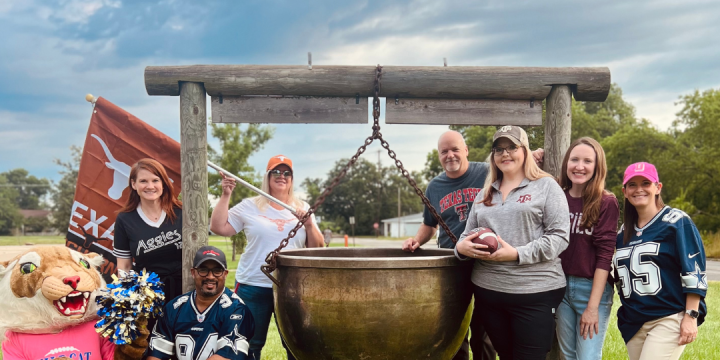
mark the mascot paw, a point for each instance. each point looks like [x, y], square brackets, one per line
[136, 349]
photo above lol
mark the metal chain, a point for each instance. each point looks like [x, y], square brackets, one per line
[271, 258]
[419, 192]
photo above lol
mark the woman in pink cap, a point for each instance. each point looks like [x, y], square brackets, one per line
[660, 265]
[265, 224]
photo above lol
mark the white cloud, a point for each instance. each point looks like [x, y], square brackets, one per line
[396, 50]
[80, 11]
[659, 108]
[654, 58]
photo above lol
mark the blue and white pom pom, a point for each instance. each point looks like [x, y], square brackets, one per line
[129, 297]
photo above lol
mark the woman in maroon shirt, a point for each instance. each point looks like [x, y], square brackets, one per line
[583, 315]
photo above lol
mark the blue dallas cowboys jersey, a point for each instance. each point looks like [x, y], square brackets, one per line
[224, 328]
[663, 262]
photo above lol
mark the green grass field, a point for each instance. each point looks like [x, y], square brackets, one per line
[31, 240]
[707, 345]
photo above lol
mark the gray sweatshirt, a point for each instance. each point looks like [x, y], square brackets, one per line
[534, 220]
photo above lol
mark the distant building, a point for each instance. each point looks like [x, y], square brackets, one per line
[407, 225]
[37, 222]
[35, 213]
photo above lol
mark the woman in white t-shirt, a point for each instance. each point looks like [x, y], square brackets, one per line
[265, 225]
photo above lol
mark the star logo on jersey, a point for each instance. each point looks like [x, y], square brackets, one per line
[235, 341]
[701, 276]
[695, 279]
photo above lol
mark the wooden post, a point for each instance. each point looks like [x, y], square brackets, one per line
[193, 156]
[558, 121]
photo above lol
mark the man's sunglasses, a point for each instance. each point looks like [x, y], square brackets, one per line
[218, 272]
[277, 173]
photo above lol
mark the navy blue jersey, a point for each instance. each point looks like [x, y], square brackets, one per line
[185, 333]
[664, 261]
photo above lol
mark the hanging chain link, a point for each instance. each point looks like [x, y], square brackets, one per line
[271, 258]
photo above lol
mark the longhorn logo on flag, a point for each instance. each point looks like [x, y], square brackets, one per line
[115, 141]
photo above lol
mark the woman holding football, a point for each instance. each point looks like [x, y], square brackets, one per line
[584, 314]
[521, 283]
[660, 265]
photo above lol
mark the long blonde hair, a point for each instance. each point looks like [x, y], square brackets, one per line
[262, 202]
[532, 172]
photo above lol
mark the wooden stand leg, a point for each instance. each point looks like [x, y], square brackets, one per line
[193, 156]
[558, 121]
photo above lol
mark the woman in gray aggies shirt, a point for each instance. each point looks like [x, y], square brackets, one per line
[519, 286]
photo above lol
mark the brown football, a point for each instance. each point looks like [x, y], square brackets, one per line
[486, 237]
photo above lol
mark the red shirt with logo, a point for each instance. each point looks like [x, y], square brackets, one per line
[79, 342]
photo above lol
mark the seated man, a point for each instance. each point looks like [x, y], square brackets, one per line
[210, 322]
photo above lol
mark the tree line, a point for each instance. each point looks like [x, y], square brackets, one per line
[686, 154]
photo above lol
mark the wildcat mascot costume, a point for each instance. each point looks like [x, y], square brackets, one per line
[48, 309]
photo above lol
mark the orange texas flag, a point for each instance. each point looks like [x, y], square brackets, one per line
[115, 141]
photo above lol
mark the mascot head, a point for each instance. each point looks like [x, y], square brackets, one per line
[48, 288]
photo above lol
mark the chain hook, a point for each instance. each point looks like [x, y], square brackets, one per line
[271, 259]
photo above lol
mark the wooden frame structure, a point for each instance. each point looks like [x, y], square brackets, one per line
[459, 95]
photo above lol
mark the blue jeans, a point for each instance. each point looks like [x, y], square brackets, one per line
[577, 295]
[260, 302]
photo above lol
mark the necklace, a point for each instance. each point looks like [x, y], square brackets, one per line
[151, 217]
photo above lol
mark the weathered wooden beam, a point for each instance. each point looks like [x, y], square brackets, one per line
[292, 109]
[453, 82]
[463, 112]
[558, 122]
[193, 158]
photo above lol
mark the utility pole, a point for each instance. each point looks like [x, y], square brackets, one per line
[399, 228]
[379, 210]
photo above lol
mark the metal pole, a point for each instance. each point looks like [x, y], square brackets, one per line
[252, 187]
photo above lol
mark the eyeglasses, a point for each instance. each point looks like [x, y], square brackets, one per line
[218, 272]
[276, 173]
[498, 151]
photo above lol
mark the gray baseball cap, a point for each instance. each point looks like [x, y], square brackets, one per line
[515, 134]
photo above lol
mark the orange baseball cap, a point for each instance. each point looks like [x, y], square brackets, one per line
[278, 160]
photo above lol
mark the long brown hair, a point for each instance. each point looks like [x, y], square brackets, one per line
[532, 172]
[630, 217]
[595, 188]
[168, 199]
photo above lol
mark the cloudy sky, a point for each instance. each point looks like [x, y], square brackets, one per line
[55, 52]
